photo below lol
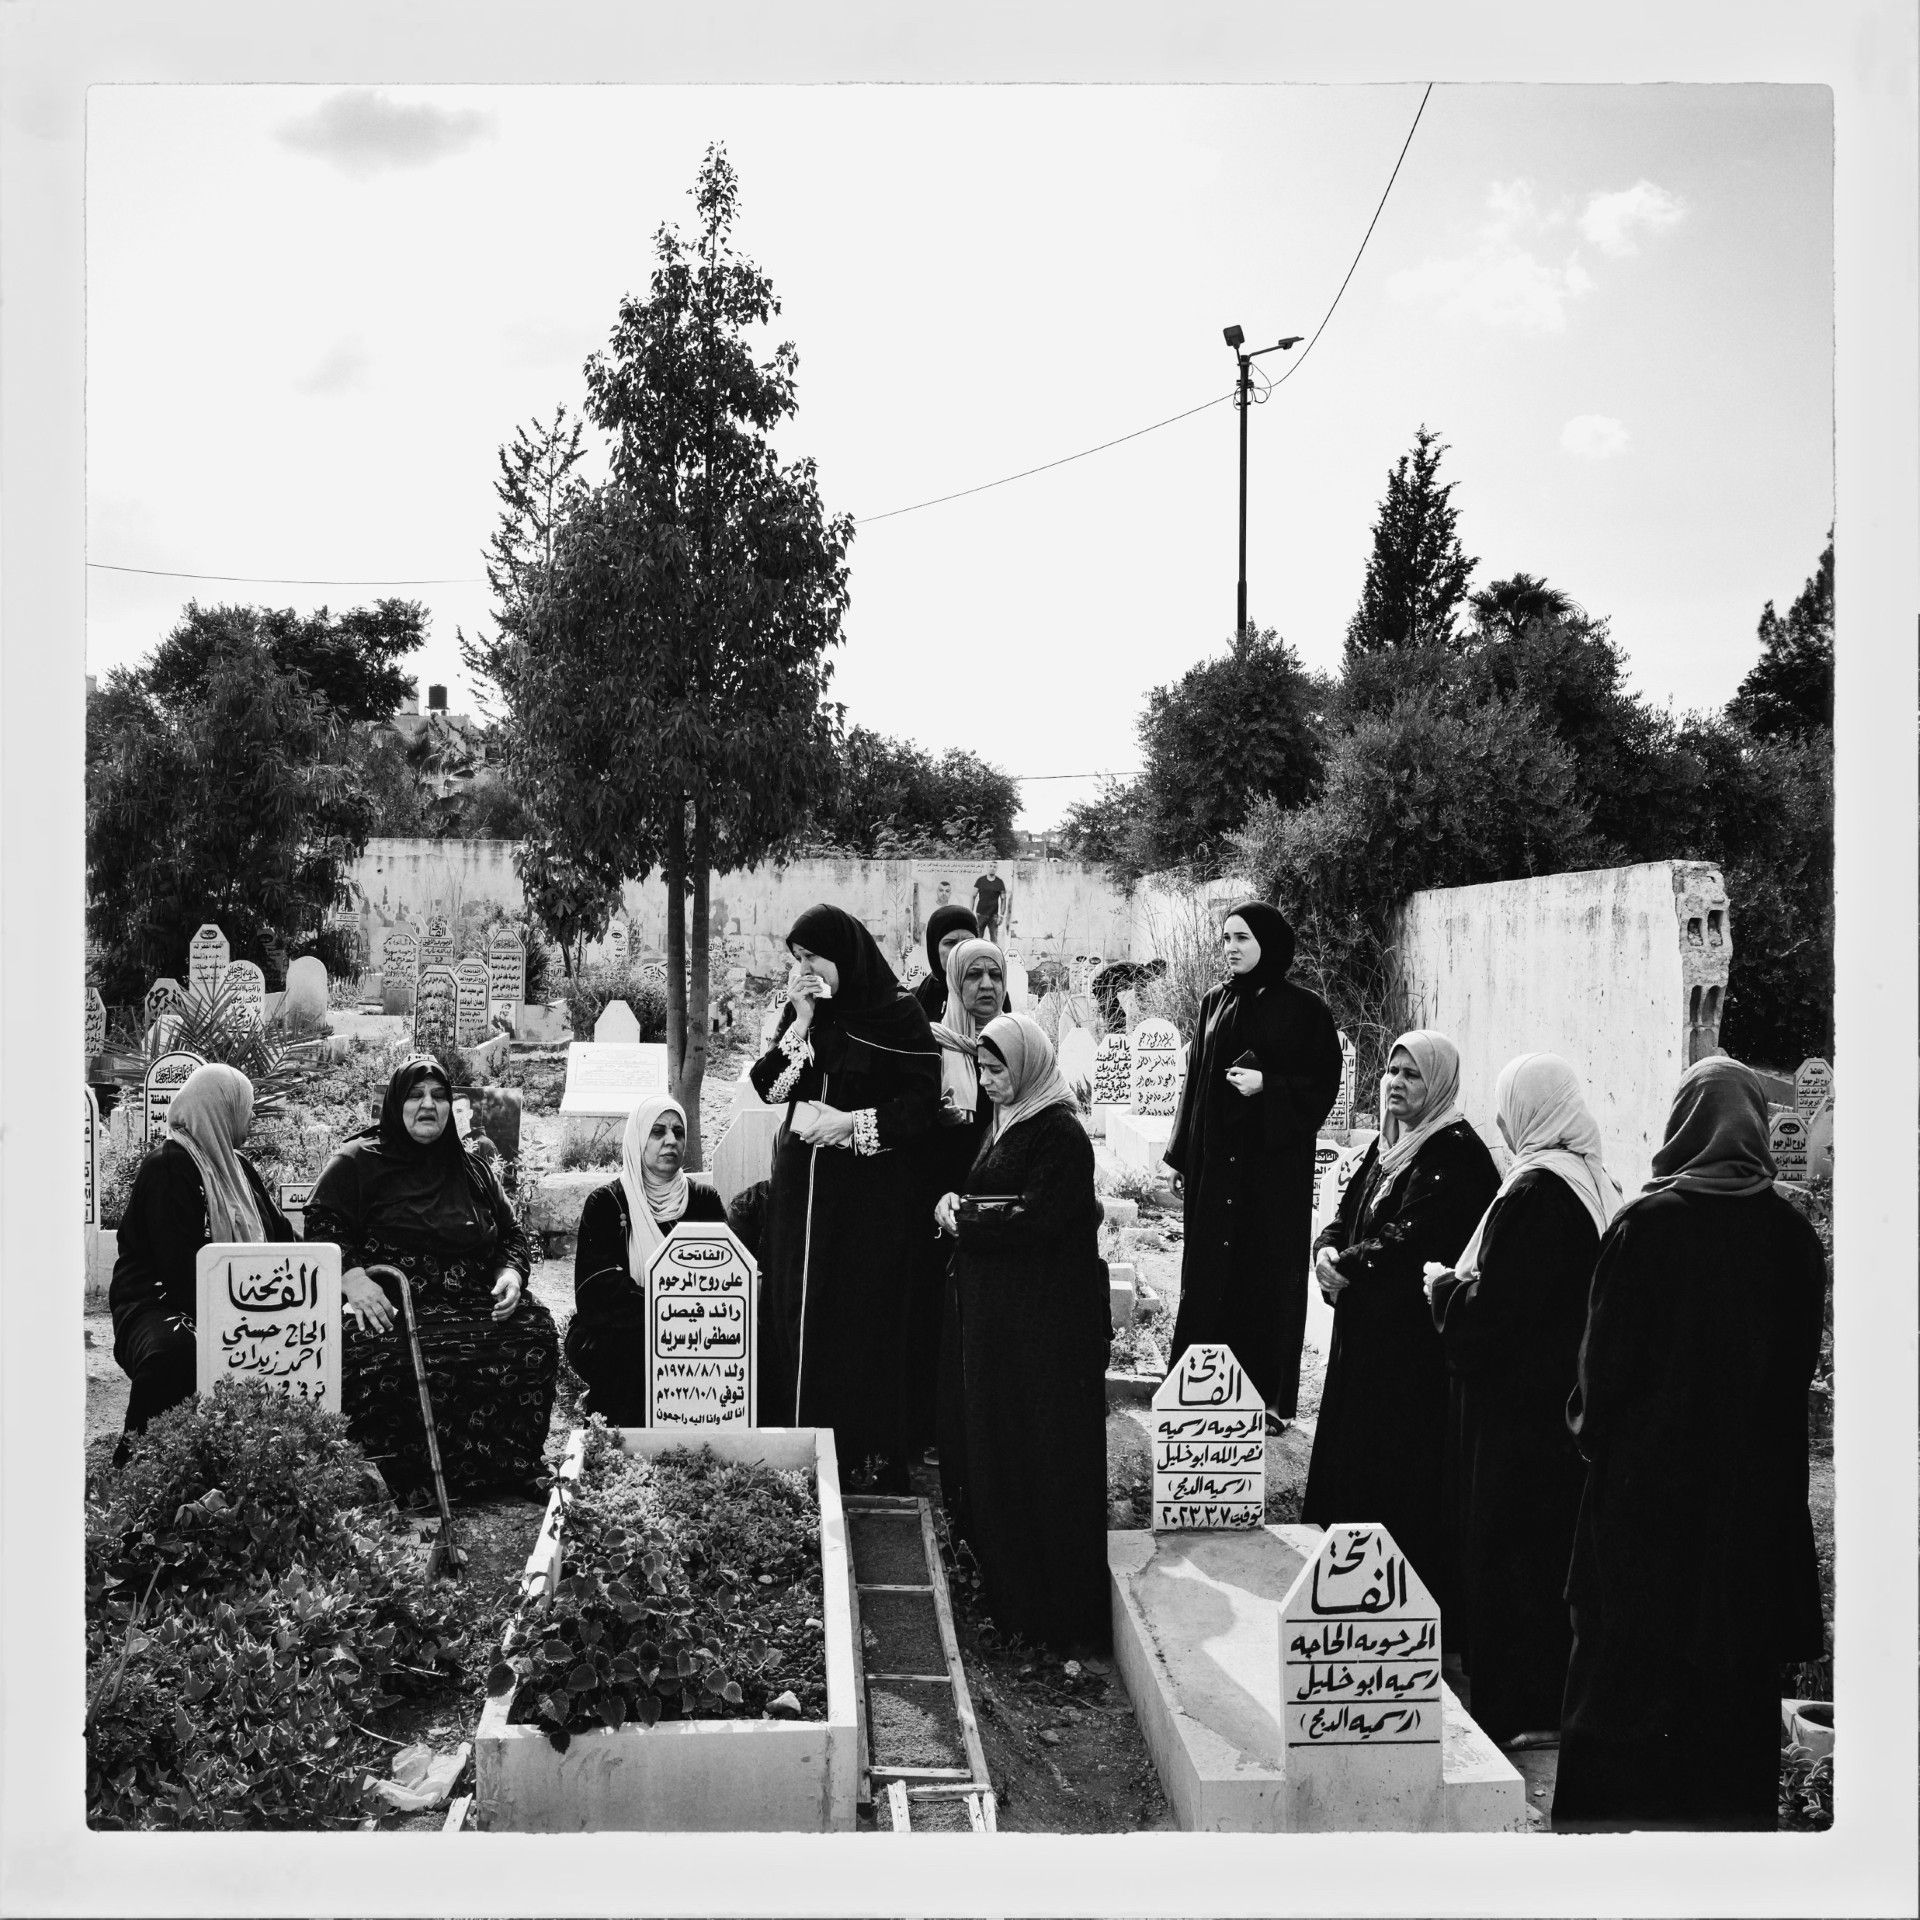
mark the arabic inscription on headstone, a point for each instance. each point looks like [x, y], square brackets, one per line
[270, 1311]
[700, 1333]
[1209, 1428]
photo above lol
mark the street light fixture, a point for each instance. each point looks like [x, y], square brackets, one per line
[1236, 338]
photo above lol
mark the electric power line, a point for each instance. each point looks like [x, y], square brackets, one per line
[287, 580]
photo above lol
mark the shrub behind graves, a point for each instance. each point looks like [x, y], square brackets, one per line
[591, 989]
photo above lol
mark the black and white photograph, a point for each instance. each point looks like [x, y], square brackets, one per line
[1001, 945]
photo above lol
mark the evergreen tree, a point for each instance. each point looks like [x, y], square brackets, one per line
[1789, 690]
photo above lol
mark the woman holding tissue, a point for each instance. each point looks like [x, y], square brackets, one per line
[1413, 1202]
[1510, 1315]
[622, 1226]
[854, 1062]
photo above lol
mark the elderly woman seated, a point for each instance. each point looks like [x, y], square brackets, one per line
[407, 1193]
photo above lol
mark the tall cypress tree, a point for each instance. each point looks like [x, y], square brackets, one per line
[1417, 574]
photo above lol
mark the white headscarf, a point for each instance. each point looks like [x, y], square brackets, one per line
[958, 1032]
[649, 1198]
[1439, 1062]
[1548, 1125]
[1037, 1080]
[210, 1116]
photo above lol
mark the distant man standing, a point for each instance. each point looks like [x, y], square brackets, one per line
[989, 897]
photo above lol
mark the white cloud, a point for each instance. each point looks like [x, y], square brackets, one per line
[344, 366]
[1594, 436]
[1502, 281]
[1613, 222]
[364, 131]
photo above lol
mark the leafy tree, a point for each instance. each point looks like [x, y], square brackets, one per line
[233, 799]
[1107, 828]
[1244, 726]
[662, 635]
[891, 796]
[1416, 582]
[351, 661]
[1789, 689]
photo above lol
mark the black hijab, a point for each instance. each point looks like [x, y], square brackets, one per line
[940, 922]
[869, 1009]
[431, 1197]
[1275, 941]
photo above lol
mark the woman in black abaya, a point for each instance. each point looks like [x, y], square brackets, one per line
[1510, 1315]
[856, 1066]
[946, 928]
[1380, 1439]
[1264, 1075]
[1693, 1571]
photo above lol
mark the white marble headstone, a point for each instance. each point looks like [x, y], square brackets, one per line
[436, 949]
[608, 1079]
[1113, 1072]
[270, 1312]
[1340, 1120]
[1077, 1059]
[93, 1159]
[1787, 1142]
[293, 1196]
[1157, 1062]
[207, 957]
[1812, 1088]
[249, 987]
[400, 961]
[164, 1078]
[471, 1017]
[96, 1022]
[166, 995]
[617, 1025]
[1016, 985]
[1209, 1428]
[1360, 1687]
[506, 970]
[701, 1293]
[436, 1010]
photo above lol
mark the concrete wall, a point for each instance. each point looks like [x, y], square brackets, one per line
[1622, 971]
[1063, 907]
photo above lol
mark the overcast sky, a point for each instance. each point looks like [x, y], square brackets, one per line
[315, 314]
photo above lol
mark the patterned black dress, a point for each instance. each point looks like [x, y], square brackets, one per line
[439, 1215]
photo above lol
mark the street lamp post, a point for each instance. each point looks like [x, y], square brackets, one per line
[1243, 399]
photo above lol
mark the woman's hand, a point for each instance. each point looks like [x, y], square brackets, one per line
[1245, 1081]
[1431, 1275]
[823, 1126]
[361, 1297]
[800, 991]
[1327, 1276]
[507, 1294]
[946, 1213]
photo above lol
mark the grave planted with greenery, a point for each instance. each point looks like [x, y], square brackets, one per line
[691, 1590]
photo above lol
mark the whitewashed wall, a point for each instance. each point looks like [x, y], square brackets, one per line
[1622, 971]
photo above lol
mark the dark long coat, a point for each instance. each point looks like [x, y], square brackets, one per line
[1034, 1334]
[1380, 1440]
[606, 1341]
[842, 1228]
[1246, 1163]
[1694, 1573]
[1512, 1338]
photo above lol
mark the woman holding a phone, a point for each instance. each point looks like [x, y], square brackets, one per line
[855, 1064]
[1263, 1074]
[1034, 1334]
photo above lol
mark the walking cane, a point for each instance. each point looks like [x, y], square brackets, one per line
[445, 1552]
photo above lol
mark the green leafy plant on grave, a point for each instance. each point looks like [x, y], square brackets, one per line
[684, 1583]
[1806, 1791]
[215, 1024]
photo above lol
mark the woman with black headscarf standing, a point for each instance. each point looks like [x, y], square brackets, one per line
[406, 1193]
[1262, 1076]
[946, 927]
[855, 1064]
[1693, 1573]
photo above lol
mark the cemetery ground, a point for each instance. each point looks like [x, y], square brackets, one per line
[1063, 1748]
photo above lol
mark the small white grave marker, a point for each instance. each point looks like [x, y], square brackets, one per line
[1078, 1058]
[436, 1004]
[1340, 1120]
[436, 950]
[1326, 1156]
[400, 961]
[1787, 1142]
[506, 970]
[471, 1018]
[250, 989]
[1360, 1699]
[1016, 985]
[1156, 1068]
[165, 1077]
[617, 1026]
[270, 1311]
[1209, 1444]
[207, 957]
[93, 1159]
[1812, 1088]
[293, 1196]
[1113, 1072]
[701, 1287]
[96, 1022]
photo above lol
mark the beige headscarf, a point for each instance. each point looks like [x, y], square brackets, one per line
[1439, 1062]
[1037, 1080]
[210, 1116]
[649, 1198]
[958, 1032]
[1547, 1124]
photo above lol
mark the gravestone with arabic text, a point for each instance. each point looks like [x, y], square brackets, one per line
[93, 1159]
[166, 995]
[472, 1015]
[1208, 1428]
[270, 1311]
[617, 941]
[249, 987]
[1360, 1686]
[1340, 1120]
[96, 1022]
[436, 1009]
[701, 1291]
[436, 944]
[164, 1078]
[1812, 1089]
[506, 970]
[1156, 1068]
[1787, 1142]
[399, 969]
[207, 957]
[1113, 1072]
[293, 1196]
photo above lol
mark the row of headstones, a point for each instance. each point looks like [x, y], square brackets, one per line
[406, 958]
[1801, 1141]
[164, 1078]
[1141, 1072]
